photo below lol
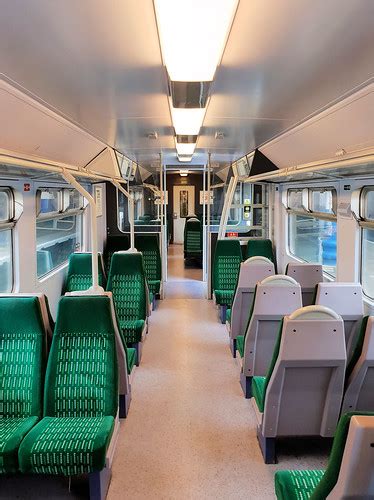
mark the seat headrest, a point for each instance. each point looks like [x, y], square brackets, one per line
[314, 313]
[228, 247]
[279, 280]
[126, 263]
[257, 260]
[81, 263]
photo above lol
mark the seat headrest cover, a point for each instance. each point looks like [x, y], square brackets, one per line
[228, 247]
[257, 260]
[315, 313]
[81, 263]
[126, 263]
[279, 280]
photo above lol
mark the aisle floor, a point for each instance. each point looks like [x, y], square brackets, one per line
[190, 433]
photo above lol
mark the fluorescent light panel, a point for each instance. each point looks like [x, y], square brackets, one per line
[184, 158]
[193, 34]
[185, 149]
[187, 121]
[183, 173]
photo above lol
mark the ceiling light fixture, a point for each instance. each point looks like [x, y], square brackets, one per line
[185, 149]
[188, 58]
[187, 121]
[183, 173]
[184, 158]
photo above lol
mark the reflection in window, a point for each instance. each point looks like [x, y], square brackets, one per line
[6, 272]
[322, 201]
[313, 240]
[369, 204]
[367, 263]
[183, 204]
[49, 200]
[295, 199]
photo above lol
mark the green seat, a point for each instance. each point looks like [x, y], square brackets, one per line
[259, 384]
[316, 484]
[114, 243]
[240, 339]
[228, 315]
[193, 238]
[79, 275]
[149, 247]
[263, 248]
[127, 283]
[131, 358]
[81, 392]
[226, 265]
[22, 341]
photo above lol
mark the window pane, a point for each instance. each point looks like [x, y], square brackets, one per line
[49, 201]
[322, 201]
[367, 264]
[369, 205]
[56, 239]
[75, 200]
[4, 206]
[295, 199]
[6, 273]
[313, 240]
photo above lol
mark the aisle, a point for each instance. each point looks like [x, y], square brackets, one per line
[190, 433]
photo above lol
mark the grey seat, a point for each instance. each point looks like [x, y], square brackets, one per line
[359, 393]
[302, 392]
[275, 297]
[251, 272]
[308, 275]
[346, 299]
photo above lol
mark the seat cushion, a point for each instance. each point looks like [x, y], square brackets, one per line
[12, 431]
[154, 286]
[259, 391]
[131, 358]
[240, 345]
[132, 330]
[66, 445]
[228, 315]
[224, 297]
[296, 484]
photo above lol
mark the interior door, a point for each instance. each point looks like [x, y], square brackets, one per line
[183, 205]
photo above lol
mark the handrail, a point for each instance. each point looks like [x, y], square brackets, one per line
[131, 212]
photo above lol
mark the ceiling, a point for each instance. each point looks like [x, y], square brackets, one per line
[99, 65]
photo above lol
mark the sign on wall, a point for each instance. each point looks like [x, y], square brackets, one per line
[204, 197]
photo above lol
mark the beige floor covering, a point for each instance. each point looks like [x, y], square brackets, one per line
[190, 433]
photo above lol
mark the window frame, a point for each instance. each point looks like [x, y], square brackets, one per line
[9, 224]
[61, 213]
[364, 223]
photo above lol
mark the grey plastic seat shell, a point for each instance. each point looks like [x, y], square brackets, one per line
[356, 475]
[308, 275]
[305, 391]
[251, 272]
[359, 393]
[347, 300]
[276, 297]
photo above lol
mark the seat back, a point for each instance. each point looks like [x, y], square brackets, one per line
[23, 347]
[359, 394]
[251, 272]
[226, 265]
[346, 299]
[304, 385]
[275, 297]
[355, 478]
[148, 245]
[262, 248]
[82, 373]
[193, 238]
[127, 282]
[308, 275]
[79, 275]
[114, 243]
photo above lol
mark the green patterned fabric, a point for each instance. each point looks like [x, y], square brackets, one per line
[81, 392]
[262, 248]
[149, 247]
[131, 358]
[193, 238]
[227, 259]
[228, 315]
[79, 275]
[114, 243]
[22, 353]
[357, 350]
[296, 484]
[316, 485]
[259, 384]
[127, 283]
[240, 344]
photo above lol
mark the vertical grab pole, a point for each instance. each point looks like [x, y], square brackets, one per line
[209, 243]
[130, 198]
[95, 266]
[226, 208]
[163, 229]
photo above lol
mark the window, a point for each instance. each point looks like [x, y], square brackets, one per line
[58, 227]
[312, 229]
[6, 247]
[367, 240]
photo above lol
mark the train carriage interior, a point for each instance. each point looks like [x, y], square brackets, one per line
[187, 249]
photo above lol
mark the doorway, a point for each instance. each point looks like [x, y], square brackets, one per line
[183, 205]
